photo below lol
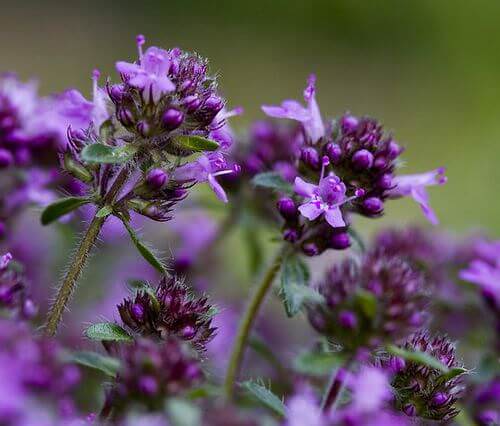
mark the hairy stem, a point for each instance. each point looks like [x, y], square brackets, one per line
[75, 270]
[80, 259]
[247, 322]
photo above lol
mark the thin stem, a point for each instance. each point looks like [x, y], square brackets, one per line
[80, 259]
[75, 270]
[335, 385]
[247, 322]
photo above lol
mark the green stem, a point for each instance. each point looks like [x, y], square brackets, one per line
[80, 259]
[72, 276]
[247, 322]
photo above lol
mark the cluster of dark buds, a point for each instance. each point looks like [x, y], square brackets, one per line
[347, 166]
[151, 371]
[14, 298]
[170, 310]
[424, 391]
[381, 299]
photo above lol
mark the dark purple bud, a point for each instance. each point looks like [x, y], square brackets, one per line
[373, 205]
[380, 163]
[214, 103]
[348, 319]
[385, 181]
[291, 235]
[311, 157]
[172, 118]
[6, 158]
[287, 208]
[116, 92]
[362, 159]
[397, 364]
[188, 332]
[349, 123]
[439, 399]
[410, 410]
[148, 385]
[192, 103]
[340, 241]
[156, 178]
[144, 128]
[310, 249]
[334, 152]
[125, 116]
[137, 311]
[186, 85]
[77, 135]
[393, 150]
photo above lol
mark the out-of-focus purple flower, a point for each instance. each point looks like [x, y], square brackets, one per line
[150, 74]
[205, 169]
[221, 131]
[486, 402]
[415, 186]
[325, 198]
[370, 390]
[309, 116]
[303, 409]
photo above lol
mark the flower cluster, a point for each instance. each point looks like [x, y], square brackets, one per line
[168, 311]
[150, 372]
[425, 391]
[382, 299]
[345, 167]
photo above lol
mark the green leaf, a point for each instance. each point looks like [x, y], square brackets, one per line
[418, 357]
[183, 413]
[367, 302]
[294, 284]
[274, 181]
[107, 331]
[105, 154]
[317, 363]
[452, 373]
[104, 211]
[195, 143]
[103, 363]
[265, 396]
[204, 391]
[61, 207]
[145, 252]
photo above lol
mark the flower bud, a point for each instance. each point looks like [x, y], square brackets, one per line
[156, 179]
[334, 152]
[310, 249]
[116, 92]
[192, 103]
[125, 117]
[373, 205]
[310, 156]
[172, 118]
[362, 159]
[287, 208]
[340, 241]
[291, 235]
[6, 158]
[393, 150]
[349, 123]
[214, 104]
[385, 181]
[144, 129]
[348, 319]
[439, 399]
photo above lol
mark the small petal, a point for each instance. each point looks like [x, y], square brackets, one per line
[219, 191]
[301, 187]
[334, 217]
[311, 210]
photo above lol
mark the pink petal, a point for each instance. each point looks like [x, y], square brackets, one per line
[127, 68]
[334, 217]
[310, 210]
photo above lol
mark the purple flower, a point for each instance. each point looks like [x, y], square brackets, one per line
[221, 130]
[370, 390]
[205, 169]
[150, 74]
[325, 198]
[415, 186]
[309, 116]
[304, 409]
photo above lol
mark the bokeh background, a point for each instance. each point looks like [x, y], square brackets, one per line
[428, 69]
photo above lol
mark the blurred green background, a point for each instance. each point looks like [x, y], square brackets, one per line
[428, 69]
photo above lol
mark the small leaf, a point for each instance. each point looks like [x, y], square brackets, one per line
[452, 373]
[61, 207]
[418, 357]
[274, 181]
[265, 396]
[195, 143]
[183, 413]
[103, 363]
[367, 302]
[107, 331]
[104, 211]
[105, 154]
[294, 284]
[316, 363]
[204, 391]
[145, 252]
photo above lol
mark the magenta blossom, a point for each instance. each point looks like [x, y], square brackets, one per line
[415, 186]
[150, 74]
[205, 169]
[325, 198]
[309, 116]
